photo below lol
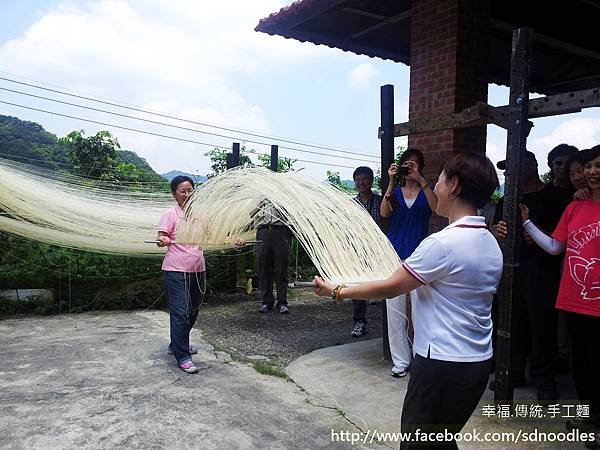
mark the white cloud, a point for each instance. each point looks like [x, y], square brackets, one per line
[174, 56]
[361, 76]
[494, 152]
[581, 132]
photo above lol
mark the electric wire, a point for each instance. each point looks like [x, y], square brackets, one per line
[104, 111]
[159, 134]
[168, 116]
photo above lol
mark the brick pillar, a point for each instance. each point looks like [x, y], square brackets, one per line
[448, 72]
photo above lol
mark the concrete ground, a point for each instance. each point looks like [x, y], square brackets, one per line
[356, 380]
[104, 380]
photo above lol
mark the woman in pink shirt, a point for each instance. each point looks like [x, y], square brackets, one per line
[185, 277]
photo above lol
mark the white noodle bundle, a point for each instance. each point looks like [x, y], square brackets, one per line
[340, 237]
[72, 214]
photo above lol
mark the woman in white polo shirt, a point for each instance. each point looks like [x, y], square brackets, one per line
[454, 274]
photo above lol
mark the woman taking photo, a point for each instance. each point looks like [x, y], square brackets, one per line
[409, 208]
[453, 275]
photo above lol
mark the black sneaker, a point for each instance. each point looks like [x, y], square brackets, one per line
[359, 330]
[283, 309]
[265, 308]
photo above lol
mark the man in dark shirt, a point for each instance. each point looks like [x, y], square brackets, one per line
[272, 251]
[363, 180]
[535, 318]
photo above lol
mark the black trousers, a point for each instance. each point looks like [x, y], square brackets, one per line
[541, 282]
[360, 310]
[585, 336]
[441, 396]
[273, 264]
[534, 323]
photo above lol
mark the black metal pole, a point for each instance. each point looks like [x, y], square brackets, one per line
[233, 160]
[235, 151]
[274, 157]
[508, 292]
[386, 135]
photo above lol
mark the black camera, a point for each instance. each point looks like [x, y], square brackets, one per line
[402, 171]
[400, 178]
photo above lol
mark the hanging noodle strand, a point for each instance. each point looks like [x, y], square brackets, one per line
[340, 237]
[338, 234]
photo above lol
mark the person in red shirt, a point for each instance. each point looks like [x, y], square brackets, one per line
[578, 235]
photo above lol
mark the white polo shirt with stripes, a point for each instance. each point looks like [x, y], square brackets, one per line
[459, 268]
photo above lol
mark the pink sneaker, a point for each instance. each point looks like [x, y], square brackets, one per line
[188, 367]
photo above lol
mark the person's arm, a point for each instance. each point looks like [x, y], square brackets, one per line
[429, 194]
[386, 208]
[400, 282]
[547, 243]
[165, 225]
[162, 239]
[499, 230]
[582, 194]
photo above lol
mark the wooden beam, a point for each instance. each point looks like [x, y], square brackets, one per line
[482, 114]
[473, 116]
[390, 20]
[508, 291]
[595, 77]
[549, 41]
[324, 6]
[350, 46]
[360, 12]
[565, 103]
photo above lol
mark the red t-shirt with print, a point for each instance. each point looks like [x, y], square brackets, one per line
[579, 229]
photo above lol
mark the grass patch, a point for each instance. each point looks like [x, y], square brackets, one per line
[267, 368]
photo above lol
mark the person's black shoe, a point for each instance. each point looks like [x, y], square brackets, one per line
[283, 309]
[359, 330]
[265, 308]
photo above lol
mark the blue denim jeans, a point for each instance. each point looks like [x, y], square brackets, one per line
[185, 291]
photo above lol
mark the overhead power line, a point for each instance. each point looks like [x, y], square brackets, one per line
[166, 136]
[168, 116]
[167, 124]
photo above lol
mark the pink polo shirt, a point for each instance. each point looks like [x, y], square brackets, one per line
[179, 258]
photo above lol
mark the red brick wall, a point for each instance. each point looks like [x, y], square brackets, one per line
[447, 72]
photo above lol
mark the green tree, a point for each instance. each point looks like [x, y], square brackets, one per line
[334, 179]
[399, 152]
[93, 156]
[218, 158]
[283, 164]
[546, 177]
